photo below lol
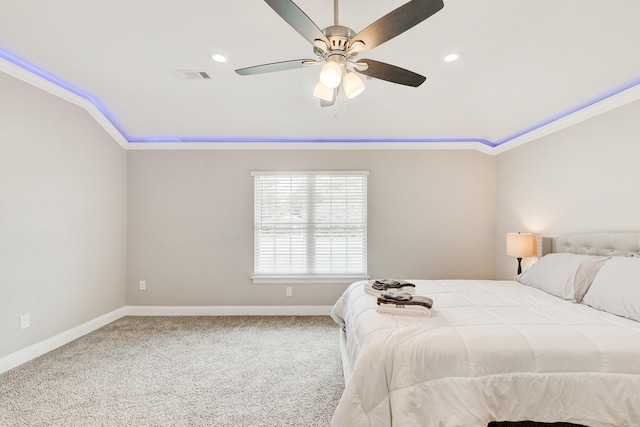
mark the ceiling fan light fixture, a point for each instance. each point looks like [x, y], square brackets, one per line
[323, 92]
[353, 85]
[331, 74]
[337, 46]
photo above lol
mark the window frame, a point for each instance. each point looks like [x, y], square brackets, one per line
[298, 278]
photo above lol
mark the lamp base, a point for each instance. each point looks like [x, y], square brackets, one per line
[519, 265]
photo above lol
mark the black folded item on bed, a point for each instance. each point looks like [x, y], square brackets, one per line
[404, 298]
[386, 284]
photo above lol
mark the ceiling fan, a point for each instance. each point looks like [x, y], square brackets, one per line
[338, 46]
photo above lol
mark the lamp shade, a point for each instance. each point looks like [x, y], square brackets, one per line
[521, 245]
[353, 85]
[323, 92]
[331, 74]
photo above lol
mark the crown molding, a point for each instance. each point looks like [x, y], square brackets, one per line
[606, 103]
[629, 93]
[347, 145]
[65, 94]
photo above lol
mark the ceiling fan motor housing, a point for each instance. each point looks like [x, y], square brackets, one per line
[338, 36]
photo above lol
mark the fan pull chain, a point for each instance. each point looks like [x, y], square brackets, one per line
[344, 86]
[345, 103]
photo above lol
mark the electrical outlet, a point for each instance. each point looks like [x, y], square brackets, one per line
[24, 321]
[289, 291]
[143, 285]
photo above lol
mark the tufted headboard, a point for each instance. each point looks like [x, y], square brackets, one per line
[608, 244]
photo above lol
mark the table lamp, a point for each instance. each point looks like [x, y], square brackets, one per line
[521, 245]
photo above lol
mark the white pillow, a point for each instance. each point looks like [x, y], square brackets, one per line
[616, 288]
[564, 275]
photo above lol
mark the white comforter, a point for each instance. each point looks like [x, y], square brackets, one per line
[491, 351]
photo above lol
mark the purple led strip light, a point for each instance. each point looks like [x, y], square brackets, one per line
[64, 85]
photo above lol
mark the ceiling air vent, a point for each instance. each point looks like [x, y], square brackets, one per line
[191, 74]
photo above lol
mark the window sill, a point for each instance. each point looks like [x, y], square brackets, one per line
[304, 279]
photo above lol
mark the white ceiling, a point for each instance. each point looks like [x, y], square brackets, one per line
[524, 63]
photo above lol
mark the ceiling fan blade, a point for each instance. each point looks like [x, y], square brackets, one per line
[397, 22]
[390, 73]
[275, 66]
[295, 17]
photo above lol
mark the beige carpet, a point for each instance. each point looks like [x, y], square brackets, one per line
[183, 371]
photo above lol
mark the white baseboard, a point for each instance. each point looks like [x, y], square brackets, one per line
[257, 310]
[38, 349]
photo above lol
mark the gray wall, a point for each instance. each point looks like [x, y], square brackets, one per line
[62, 216]
[585, 178]
[67, 191]
[431, 214]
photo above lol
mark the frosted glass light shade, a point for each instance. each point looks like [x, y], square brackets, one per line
[323, 92]
[521, 245]
[353, 85]
[331, 74]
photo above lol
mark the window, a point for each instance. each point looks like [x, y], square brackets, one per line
[310, 226]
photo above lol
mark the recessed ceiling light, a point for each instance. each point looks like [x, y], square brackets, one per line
[219, 58]
[452, 57]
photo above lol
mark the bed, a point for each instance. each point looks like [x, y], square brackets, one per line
[561, 344]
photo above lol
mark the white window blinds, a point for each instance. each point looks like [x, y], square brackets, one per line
[310, 223]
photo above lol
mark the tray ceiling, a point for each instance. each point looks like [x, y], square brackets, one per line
[524, 64]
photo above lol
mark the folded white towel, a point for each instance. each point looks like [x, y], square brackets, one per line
[404, 310]
[404, 304]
